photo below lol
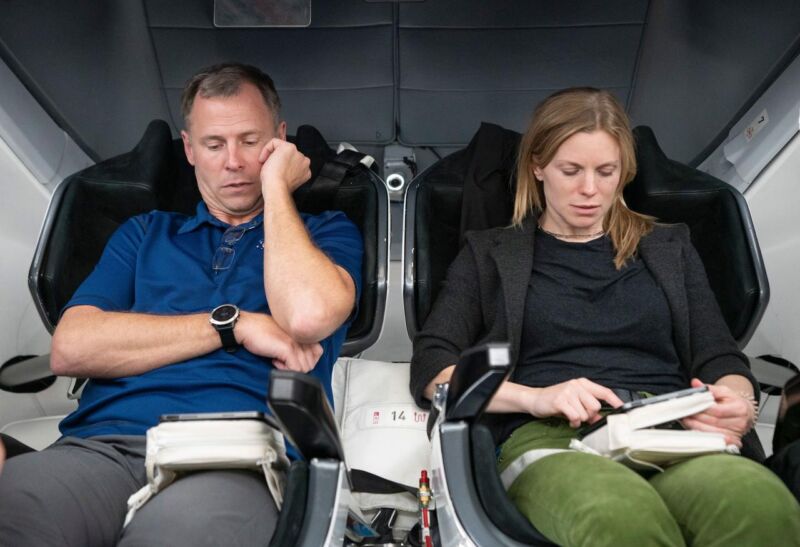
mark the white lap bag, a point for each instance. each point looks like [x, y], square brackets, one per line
[383, 431]
[183, 446]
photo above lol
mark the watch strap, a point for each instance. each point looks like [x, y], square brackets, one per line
[228, 339]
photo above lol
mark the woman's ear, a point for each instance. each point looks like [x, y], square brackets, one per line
[537, 173]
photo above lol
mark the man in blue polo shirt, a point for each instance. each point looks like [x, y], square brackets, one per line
[189, 314]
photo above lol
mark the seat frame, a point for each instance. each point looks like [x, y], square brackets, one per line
[458, 406]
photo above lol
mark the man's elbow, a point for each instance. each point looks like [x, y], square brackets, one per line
[70, 343]
[308, 326]
[62, 356]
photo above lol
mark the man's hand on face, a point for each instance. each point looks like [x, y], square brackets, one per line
[283, 166]
[261, 335]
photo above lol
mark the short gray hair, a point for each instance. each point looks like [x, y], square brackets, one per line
[225, 80]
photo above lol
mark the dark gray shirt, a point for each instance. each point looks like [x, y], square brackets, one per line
[585, 318]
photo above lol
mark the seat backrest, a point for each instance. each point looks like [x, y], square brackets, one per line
[91, 204]
[716, 213]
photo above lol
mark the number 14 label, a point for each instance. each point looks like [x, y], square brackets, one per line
[398, 415]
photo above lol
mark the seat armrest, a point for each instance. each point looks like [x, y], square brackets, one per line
[476, 378]
[27, 375]
[299, 404]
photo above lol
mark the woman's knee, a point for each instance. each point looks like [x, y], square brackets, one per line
[729, 496]
[719, 478]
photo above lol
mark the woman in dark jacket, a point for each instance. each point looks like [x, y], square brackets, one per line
[600, 305]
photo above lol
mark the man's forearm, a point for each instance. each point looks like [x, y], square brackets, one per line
[309, 296]
[93, 343]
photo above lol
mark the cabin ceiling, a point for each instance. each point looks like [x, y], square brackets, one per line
[421, 73]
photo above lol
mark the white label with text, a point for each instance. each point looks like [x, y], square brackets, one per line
[394, 415]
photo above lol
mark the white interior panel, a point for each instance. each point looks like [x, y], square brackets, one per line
[42, 147]
[774, 201]
[23, 406]
[21, 212]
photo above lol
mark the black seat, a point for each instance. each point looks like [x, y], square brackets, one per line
[473, 189]
[435, 222]
[89, 205]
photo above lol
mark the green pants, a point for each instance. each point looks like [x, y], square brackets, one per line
[581, 499]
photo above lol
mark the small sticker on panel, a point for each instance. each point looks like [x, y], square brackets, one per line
[756, 125]
[499, 356]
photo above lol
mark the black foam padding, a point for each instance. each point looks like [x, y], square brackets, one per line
[673, 192]
[787, 426]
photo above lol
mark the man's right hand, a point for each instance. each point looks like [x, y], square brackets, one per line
[261, 335]
[283, 165]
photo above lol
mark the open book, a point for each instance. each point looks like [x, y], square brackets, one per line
[630, 435]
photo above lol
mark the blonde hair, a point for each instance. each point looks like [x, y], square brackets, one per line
[555, 120]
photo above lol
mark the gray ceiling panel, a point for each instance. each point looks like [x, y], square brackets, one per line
[200, 13]
[356, 116]
[433, 69]
[517, 59]
[451, 118]
[320, 59]
[700, 63]
[352, 115]
[516, 14]
[177, 13]
[90, 64]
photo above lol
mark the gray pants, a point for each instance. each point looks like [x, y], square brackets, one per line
[75, 492]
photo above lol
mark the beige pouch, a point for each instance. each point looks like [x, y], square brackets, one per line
[183, 446]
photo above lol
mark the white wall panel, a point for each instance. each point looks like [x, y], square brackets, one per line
[774, 201]
[22, 208]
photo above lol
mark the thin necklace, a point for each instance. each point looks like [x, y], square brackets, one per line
[572, 236]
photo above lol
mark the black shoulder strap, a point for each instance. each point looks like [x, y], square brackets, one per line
[330, 177]
[364, 481]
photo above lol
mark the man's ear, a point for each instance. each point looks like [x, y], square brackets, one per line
[282, 131]
[187, 146]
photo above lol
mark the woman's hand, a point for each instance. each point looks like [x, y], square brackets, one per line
[733, 415]
[576, 400]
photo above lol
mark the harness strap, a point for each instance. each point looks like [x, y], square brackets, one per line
[515, 469]
[331, 176]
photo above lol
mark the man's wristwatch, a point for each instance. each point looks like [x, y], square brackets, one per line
[223, 319]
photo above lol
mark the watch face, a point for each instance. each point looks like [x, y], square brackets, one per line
[224, 313]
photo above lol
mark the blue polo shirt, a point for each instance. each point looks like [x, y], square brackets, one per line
[161, 263]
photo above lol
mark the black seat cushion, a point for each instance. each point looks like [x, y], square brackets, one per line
[673, 192]
[156, 175]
